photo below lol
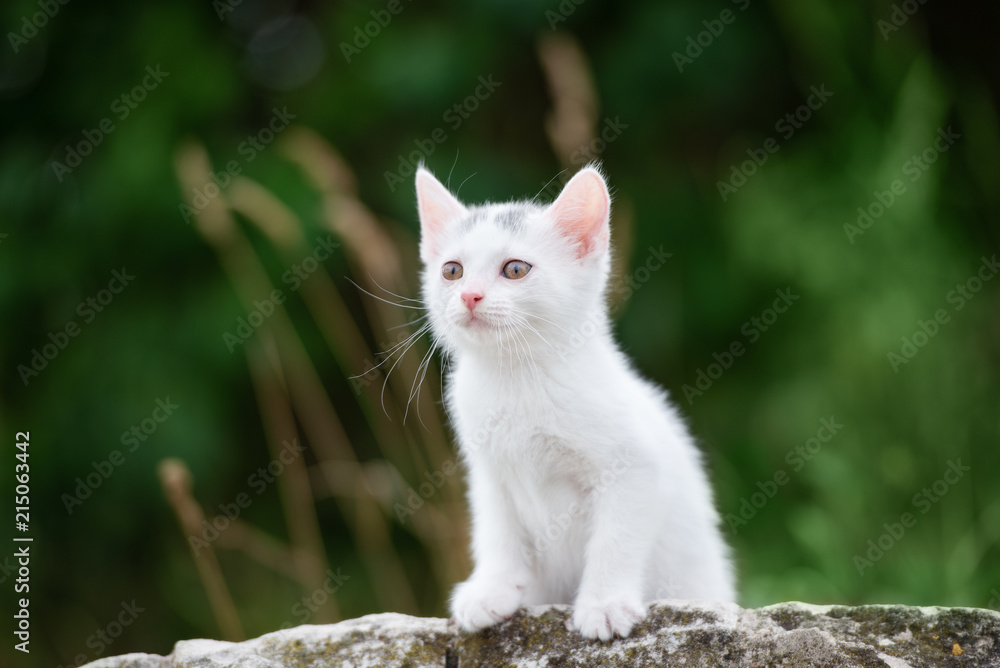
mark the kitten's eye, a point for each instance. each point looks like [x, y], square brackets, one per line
[451, 271]
[516, 269]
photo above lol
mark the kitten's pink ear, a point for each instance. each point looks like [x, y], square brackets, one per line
[437, 208]
[582, 212]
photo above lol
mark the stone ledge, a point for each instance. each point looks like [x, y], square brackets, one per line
[674, 634]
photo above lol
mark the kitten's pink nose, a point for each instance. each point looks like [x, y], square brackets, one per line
[471, 299]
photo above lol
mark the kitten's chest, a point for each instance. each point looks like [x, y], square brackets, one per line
[518, 425]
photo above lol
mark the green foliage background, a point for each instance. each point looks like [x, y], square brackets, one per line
[827, 356]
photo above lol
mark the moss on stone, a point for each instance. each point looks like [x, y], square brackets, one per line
[691, 635]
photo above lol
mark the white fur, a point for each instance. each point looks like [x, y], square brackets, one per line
[584, 483]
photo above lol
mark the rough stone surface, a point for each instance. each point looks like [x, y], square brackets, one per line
[674, 634]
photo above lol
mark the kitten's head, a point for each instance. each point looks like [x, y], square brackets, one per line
[500, 276]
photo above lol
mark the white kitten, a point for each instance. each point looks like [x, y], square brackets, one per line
[585, 485]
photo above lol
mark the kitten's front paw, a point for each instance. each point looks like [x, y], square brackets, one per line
[477, 604]
[607, 619]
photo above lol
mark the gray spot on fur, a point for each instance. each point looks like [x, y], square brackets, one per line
[512, 217]
[504, 216]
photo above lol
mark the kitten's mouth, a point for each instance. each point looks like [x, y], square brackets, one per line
[473, 321]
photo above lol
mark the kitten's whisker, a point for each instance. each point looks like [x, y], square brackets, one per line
[452, 171]
[382, 299]
[463, 183]
[424, 364]
[445, 367]
[499, 342]
[554, 324]
[412, 340]
[390, 292]
[545, 187]
[408, 324]
[521, 320]
[529, 359]
[388, 353]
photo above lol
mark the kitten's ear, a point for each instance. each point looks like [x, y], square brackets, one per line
[437, 208]
[582, 212]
